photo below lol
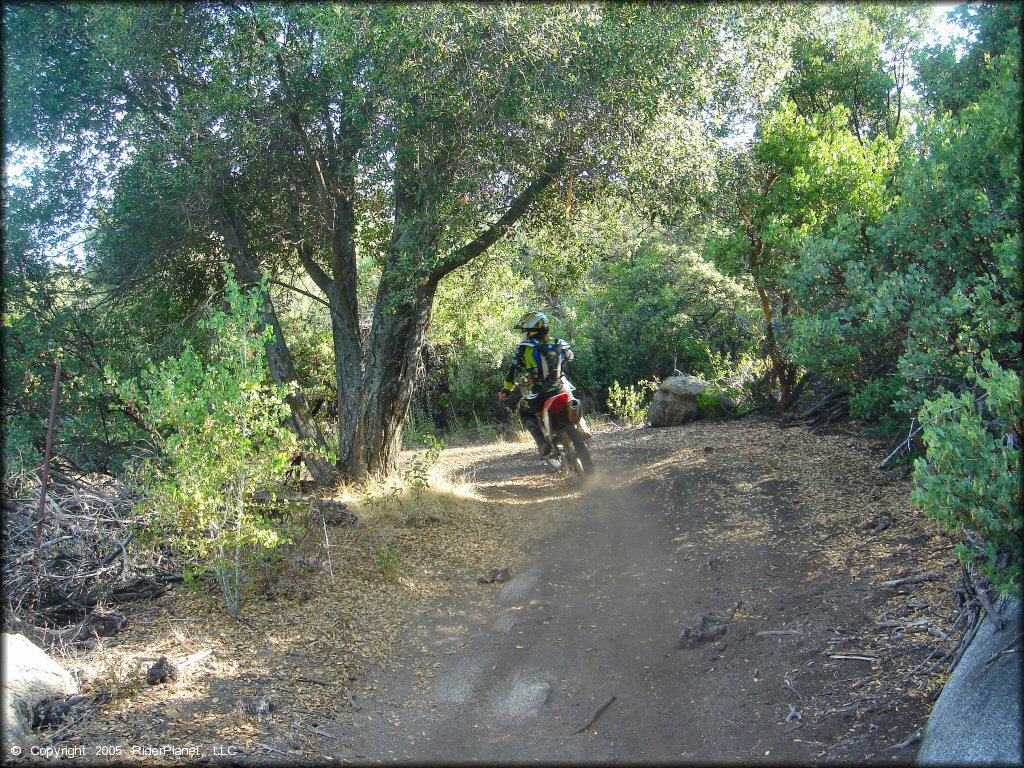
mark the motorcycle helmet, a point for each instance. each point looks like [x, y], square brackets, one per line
[532, 324]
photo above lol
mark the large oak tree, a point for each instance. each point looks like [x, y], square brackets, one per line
[322, 137]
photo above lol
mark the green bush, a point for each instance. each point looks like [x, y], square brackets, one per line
[630, 404]
[50, 316]
[970, 477]
[900, 308]
[389, 562]
[221, 434]
[659, 309]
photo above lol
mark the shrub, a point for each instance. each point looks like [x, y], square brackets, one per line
[630, 403]
[970, 478]
[221, 434]
[389, 562]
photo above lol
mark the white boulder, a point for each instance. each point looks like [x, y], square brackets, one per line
[678, 400]
[30, 677]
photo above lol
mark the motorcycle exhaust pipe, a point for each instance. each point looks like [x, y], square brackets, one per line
[575, 410]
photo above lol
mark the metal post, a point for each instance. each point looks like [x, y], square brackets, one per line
[40, 512]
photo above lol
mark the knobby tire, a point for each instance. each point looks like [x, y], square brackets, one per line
[580, 460]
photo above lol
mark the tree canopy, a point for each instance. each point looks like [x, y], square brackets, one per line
[303, 137]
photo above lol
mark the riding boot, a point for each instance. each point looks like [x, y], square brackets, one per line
[532, 424]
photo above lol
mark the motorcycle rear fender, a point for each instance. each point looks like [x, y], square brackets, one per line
[555, 412]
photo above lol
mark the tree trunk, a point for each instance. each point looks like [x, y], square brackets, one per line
[348, 348]
[279, 358]
[778, 366]
[349, 388]
[399, 330]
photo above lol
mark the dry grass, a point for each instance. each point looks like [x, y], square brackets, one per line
[312, 626]
[322, 620]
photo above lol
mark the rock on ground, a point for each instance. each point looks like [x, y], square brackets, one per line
[676, 402]
[704, 629]
[977, 718]
[30, 677]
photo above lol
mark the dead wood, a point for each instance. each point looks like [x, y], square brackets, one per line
[163, 671]
[84, 561]
[818, 407]
[1006, 649]
[320, 732]
[989, 610]
[96, 625]
[593, 718]
[916, 579]
[910, 741]
[314, 681]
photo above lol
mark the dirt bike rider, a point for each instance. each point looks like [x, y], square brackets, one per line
[542, 361]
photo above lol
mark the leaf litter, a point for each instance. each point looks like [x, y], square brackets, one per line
[308, 639]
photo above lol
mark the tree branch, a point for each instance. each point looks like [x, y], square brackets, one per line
[295, 288]
[320, 182]
[515, 211]
[315, 271]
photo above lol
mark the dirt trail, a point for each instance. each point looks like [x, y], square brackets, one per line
[780, 536]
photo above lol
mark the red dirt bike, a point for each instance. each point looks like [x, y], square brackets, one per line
[561, 419]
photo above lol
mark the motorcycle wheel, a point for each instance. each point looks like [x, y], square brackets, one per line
[577, 453]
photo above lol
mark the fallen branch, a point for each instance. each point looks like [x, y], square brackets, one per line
[124, 553]
[910, 741]
[901, 446]
[351, 698]
[831, 397]
[771, 632]
[597, 714]
[917, 579]
[789, 684]
[965, 643]
[921, 625]
[939, 661]
[268, 748]
[989, 609]
[314, 681]
[246, 622]
[318, 732]
[195, 657]
[1006, 649]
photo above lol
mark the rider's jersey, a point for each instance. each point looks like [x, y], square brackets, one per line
[542, 361]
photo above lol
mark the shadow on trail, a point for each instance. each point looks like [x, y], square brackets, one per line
[622, 566]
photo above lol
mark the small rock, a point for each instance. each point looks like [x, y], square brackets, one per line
[720, 647]
[336, 513]
[259, 707]
[85, 673]
[703, 630]
[497, 576]
[162, 671]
